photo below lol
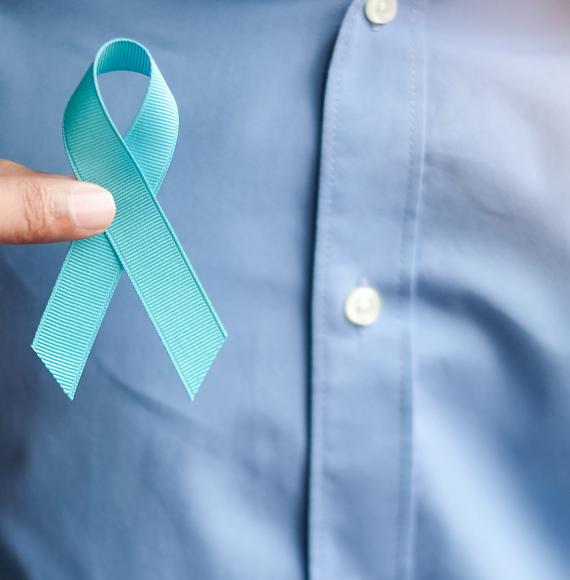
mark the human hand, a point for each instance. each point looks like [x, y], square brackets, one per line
[41, 207]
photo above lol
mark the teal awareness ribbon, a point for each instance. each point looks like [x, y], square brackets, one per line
[140, 240]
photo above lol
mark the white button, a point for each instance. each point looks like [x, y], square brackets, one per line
[362, 305]
[381, 11]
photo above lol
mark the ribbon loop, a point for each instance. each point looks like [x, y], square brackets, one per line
[140, 240]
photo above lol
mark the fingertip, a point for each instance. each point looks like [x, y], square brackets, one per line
[92, 208]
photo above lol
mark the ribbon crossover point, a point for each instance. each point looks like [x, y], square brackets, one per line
[140, 241]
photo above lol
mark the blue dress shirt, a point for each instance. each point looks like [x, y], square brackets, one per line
[427, 158]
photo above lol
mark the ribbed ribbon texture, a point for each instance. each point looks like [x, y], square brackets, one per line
[140, 240]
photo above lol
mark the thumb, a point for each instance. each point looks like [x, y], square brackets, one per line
[37, 208]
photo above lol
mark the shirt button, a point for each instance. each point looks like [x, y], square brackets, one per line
[362, 305]
[381, 11]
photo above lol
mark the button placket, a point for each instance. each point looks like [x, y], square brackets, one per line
[361, 385]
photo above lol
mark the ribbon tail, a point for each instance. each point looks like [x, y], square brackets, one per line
[76, 308]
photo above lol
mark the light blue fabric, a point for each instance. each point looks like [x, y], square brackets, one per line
[140, 239]
[428, 157]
